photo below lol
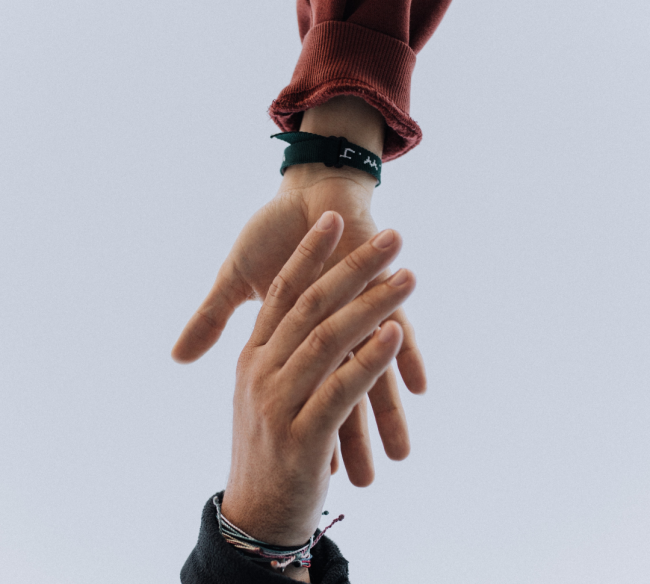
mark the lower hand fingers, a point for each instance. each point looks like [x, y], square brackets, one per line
[334, 464]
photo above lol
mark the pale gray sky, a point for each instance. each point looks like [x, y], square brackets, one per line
[525, 215]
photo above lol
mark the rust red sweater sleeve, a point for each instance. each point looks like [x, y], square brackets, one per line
[365, 48]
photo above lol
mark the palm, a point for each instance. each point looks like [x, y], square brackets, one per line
[273, 233]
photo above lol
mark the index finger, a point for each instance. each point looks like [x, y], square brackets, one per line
[301, 270]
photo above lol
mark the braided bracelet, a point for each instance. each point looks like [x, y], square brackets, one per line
[331, 151]
[258, 551]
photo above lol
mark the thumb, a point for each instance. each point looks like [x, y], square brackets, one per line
[208, 322]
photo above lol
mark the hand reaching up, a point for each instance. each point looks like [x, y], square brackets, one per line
[295, 388]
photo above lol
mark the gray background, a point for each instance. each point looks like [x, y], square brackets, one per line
[525, 214]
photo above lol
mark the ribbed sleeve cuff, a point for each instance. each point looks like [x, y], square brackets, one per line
[340, 58]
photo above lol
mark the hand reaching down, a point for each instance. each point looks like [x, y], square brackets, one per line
[271, 237]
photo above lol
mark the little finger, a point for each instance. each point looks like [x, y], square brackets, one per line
[389, 415]
[355, 446]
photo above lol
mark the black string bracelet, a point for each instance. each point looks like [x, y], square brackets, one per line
[333, 151]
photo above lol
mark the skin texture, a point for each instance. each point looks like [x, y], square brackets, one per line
[296, 386]
[271, 236]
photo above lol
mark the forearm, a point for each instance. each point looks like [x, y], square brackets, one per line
[349, 116]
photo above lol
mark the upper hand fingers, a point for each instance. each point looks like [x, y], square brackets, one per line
[355, 446]
[390, 417]
[205, 327]
[409, 358]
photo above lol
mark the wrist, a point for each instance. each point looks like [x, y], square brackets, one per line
[323, 189]
[269, 523]
[355, 120]
[255, 523]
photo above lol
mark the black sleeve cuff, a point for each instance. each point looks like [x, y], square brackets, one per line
[214, 561]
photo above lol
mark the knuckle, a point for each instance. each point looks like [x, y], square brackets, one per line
[235, 288]
[307, 249]
[311, 300]
[321, 337]
[409, 350]
[370, 302]
[335, 389]
[209, 320]
[279, 288]
[354, 261]
[387, 411]
[367, 364]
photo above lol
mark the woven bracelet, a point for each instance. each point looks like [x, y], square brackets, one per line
[333, 151]
[258, 551]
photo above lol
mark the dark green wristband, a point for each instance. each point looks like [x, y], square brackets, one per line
[331, 151]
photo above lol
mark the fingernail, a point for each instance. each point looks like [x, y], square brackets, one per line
[384, 239]
[386, 334]
[398, 278]
[325, 222]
